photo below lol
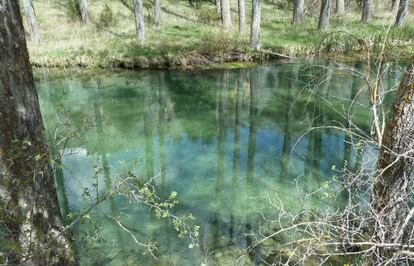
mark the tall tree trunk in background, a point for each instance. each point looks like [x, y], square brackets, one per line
[225, 14]
[84, 11]
[324, 15]
[367, 7]
[298, 11]
[255, 31]
[340, 7]
[394, 168]
[218, 6]
[157, 12]
[402, 13]
[29, 209]
[139, 20]
[242, 15]
[32, 21]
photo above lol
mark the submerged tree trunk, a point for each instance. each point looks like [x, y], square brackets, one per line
[255, 31]
[402, 13]
[157, 12]
[139, 20]
[31, 20]
[29, 209]
[84, 11]
[298, 12]
[367, 7]
[394, 168]
[324, 15]
[225, 14]
[340, 7]
[242, 15]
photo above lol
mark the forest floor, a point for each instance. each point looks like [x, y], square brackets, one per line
[190, 36]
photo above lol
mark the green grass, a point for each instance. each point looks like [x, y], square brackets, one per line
[190, 36]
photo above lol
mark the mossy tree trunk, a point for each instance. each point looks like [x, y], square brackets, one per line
[367, 9]
[139, 20]
[394, 168]
[31, 20]
[298, 9]
[255, 30]
[402, 13]
[29, 209]
[324, 15]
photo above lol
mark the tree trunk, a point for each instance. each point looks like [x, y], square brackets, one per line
[340, 7]
[157, 12]
[139, 20]
[218, 6]
[242, 15]
[324, 15]
[29, 207]
[84, 11]
[402, 13]
[225, 14]
[255, 31]
[366, 11]
[394, 7]
[298, 12]
[31, 20]
[394, 168]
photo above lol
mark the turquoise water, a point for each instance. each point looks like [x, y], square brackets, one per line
[229, 142]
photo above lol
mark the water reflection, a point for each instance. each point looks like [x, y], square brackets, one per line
[222, 139]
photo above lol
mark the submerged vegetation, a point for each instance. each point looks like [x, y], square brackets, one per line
[191, 35]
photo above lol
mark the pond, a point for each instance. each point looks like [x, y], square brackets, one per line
[230, 143]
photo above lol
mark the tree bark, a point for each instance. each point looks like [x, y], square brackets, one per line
[340, 7]
[139, 20]
[367, 7]
[324, 15]
[84, 11]
[394, 168]
[298, 12]
[255, 31]
[157, 12]
[32, 21]
[242, 15]
[394, 7]
[225, 14]
[402, 13]
[29, 209]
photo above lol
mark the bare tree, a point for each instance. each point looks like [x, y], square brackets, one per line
[255, 30]
[242, 15]
[139, 20]
[32, 21]
[340, 7]
[225, 14]
[29, 209]
[367, 8]
[157, 12]
[324, 15]
[298, 9]
[402, 13]
[394, 168]
[84, 11]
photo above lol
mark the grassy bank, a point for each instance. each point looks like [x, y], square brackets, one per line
[192, 37]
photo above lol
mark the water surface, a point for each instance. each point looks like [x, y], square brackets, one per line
[229, 142]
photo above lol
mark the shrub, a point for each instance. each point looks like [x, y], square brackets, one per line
[73, 9]
[107, 17]
[208, 15]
